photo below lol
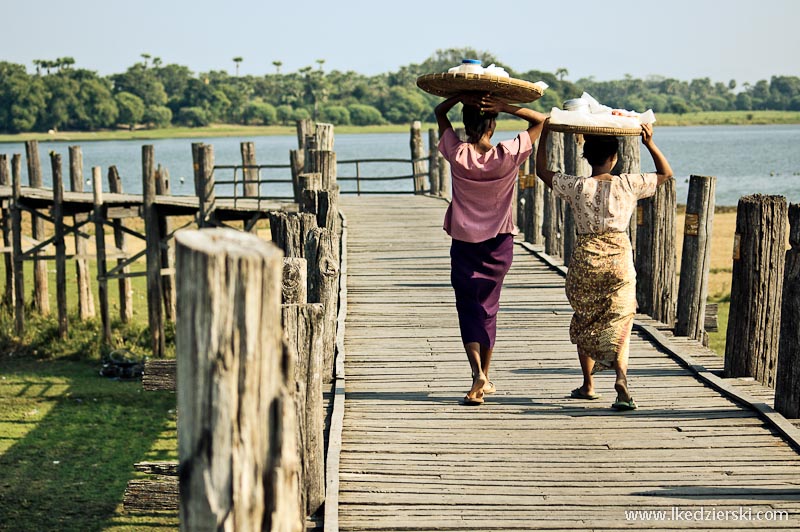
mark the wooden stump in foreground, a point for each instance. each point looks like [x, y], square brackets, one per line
[787, 379]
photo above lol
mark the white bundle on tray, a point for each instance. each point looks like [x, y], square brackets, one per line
[595, 114]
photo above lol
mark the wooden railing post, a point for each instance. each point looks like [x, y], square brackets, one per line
[574, 164]
[205, 183]
[417, 158]
[16, 235]
[155, 311]
[237, 432]
[85, 298]
[696, 258]
[41, 297]
[787, 378]
[751, 344]
[167, 248]
[322, 254]
[100, 245]
[433, 162]
[656, 258]
[8, 258]
[120, 242]
[553, 211]
[61, 250]
[249, 173]
[629, 158]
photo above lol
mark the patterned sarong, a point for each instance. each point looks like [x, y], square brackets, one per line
[601, 287]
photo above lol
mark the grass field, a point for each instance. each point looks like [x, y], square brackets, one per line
[232, 130]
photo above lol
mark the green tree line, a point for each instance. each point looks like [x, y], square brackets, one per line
[60, 96]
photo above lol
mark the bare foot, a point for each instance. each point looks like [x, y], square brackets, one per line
[478, 382]
[621, 386]
[489, 388]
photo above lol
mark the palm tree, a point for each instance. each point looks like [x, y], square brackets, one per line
[561, 73]
[278, 65]
[146, 58]
[320, 62]
[38, 63]
[237, 60]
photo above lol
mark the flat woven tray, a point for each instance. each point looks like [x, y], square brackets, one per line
[596, 130]
[508, 89]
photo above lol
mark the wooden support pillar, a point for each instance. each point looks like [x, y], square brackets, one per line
[433, 162]
[196, 168]
[418, 162]
[322, 162]
[8, 258]
[751, 344]
[787, 378]
[250, 172]
[207, 193]
[574, 164]
[237, 432]
[290, 230]
[629, 158]
[304, 327]
[100, 243]
[324, 135]
[155, 312]
[696, 258]
[124, 287]
[16, 235]
[295, 281]
[61, 249]
[83, 276]
[167, 247]
[322, 254]
[41, 296]
[656, 257]
[553, 209]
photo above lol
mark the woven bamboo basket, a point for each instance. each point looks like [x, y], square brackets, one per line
[596, 130]
[508, 89]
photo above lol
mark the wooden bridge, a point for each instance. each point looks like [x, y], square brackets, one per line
[531, 458]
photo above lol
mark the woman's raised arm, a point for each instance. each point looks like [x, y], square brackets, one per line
[441, 111]
[544, 173]
[663, 169]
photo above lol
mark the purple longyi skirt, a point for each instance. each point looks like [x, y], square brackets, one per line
[477, 271]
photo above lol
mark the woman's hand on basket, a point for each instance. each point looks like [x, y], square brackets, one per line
[491, 104]
[647, 134]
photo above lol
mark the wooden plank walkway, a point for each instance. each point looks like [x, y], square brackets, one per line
[530, 458]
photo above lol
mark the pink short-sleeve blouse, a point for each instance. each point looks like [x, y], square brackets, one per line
[483, 186]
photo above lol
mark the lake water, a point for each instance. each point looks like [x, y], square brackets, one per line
[745, 159]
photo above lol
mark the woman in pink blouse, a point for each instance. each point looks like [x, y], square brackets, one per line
[479, 220]
[601, 281]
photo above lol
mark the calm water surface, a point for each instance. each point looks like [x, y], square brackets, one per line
[745, 159]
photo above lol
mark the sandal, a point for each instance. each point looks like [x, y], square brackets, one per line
[471, 401]
[624, 405]
[578, 393]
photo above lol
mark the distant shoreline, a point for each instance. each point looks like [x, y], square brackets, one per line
[706, 118]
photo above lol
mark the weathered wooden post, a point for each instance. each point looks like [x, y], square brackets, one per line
[324, 135]
[205, 193]
[155, 312]
[418, 162]
[249, 170]
[433, 162]
[322, 254]
[751, 344]
[120, 242]
[629, 156]
[100, 245]
[167, 248]
[656, 258]
[61, 250]
[239, 465]
[304, 327]
[289, 231]
[787, 378]
[295, 281]
[696, 258]
[324, 163]
[85, 298]
[41, 297]
[553, 212]
[8, 258]
[16, 235]
[574, 164]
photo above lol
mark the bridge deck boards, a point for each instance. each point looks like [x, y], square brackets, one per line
[530, 458]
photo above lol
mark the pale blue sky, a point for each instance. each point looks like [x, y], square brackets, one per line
[685, 39]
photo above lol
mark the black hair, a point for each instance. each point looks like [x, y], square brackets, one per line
[476, 122]
[598, 148]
